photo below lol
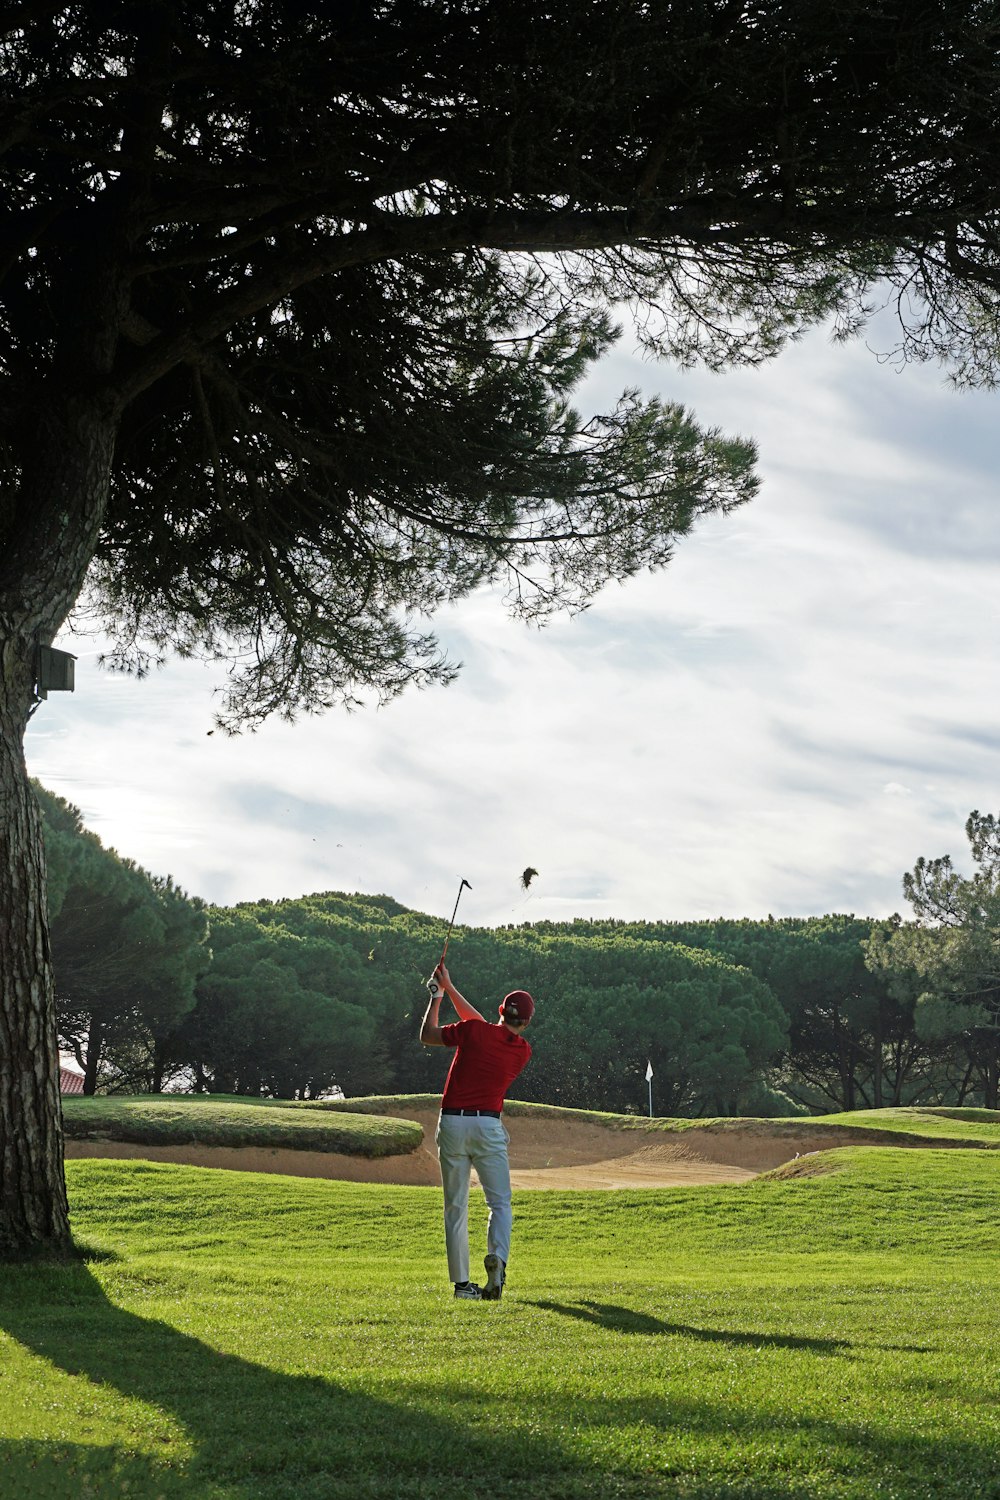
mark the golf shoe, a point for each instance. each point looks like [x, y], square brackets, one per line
[496, 1275]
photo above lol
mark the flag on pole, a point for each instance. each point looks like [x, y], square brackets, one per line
[649, 1071]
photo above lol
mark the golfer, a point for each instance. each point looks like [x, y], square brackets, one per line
[470, 1131]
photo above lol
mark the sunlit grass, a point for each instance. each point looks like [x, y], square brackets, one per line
[246, 1336]
[980, 1125]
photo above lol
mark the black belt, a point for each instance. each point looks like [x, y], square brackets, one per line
[494, 1114]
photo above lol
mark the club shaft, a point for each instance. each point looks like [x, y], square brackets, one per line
[451, 924]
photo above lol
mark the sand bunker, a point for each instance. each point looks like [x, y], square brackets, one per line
[546, 1151]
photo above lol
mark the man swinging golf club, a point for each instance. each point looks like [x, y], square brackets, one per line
[470, 1131]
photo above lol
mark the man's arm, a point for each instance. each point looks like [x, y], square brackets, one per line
[430, 1031]
[464, 1010]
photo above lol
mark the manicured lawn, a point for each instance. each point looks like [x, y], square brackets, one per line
[980, 1125]
[976, 1126]
[248, 1336]
[185, 1119]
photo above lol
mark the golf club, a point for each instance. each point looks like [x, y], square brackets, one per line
[434, 989]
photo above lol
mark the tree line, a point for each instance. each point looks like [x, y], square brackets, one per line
[298, 998]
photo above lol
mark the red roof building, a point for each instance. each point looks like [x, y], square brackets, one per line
[70, 1078]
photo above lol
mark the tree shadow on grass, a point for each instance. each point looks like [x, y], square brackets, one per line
[38, 1470]
[254, 1431]
[259, 1434]
[628, 1320]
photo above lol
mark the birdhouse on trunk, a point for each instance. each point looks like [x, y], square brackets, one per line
[55, 671]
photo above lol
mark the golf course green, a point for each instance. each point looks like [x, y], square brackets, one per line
[827, 1332]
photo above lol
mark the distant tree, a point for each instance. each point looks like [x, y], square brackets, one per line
[127, 948]
[950, 955]
[607, 1005]
[850, 1036]
[279, 1015]
[851, 1042]
[165, 988]
[293, 300]
[381, 954]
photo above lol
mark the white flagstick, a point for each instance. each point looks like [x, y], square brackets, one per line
[649, 1080]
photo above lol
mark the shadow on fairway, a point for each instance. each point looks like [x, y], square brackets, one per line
[247, 1430]
[627, 1320]
[258, 1434]
[58, 1471]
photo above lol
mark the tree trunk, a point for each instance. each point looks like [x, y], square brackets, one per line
[899, 1071]
[158, 1065]
[60, 508]
[878, 1060]
[95, 1050]
[34, 1216]
[844, 1064]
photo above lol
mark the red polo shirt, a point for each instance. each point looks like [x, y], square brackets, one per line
[486, 1062]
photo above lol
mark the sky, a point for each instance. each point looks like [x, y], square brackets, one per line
[802, 703]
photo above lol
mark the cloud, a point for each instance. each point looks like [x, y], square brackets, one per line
[783, 720]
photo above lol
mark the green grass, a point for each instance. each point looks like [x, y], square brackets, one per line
[981, 1126]
[974, 1127]
[193, 1119]
[240, 1337]
[377, 1103]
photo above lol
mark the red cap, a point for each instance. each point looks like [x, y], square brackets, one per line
[517, 1006]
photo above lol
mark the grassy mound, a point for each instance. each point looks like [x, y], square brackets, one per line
[980, 1127]
[373, 1104]
[921, 1127]
[253, 1338]
[386, 1103]
[193, 1119]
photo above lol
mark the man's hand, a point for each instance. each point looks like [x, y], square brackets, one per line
[440, 984]
[430, 1031]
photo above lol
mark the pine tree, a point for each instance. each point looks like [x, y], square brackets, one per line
[294, 299]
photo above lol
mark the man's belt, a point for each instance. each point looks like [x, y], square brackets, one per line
[494, 1114]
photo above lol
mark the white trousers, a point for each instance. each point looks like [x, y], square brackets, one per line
[464, 1142]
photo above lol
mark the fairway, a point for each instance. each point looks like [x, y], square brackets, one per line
[237, 1336]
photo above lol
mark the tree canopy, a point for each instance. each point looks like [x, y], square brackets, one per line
[293, 300]
[281, 1014]
[127, 948]
[324, 277]
[847, 1038]
[327, 989]
[300, 997]
[947, 960]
